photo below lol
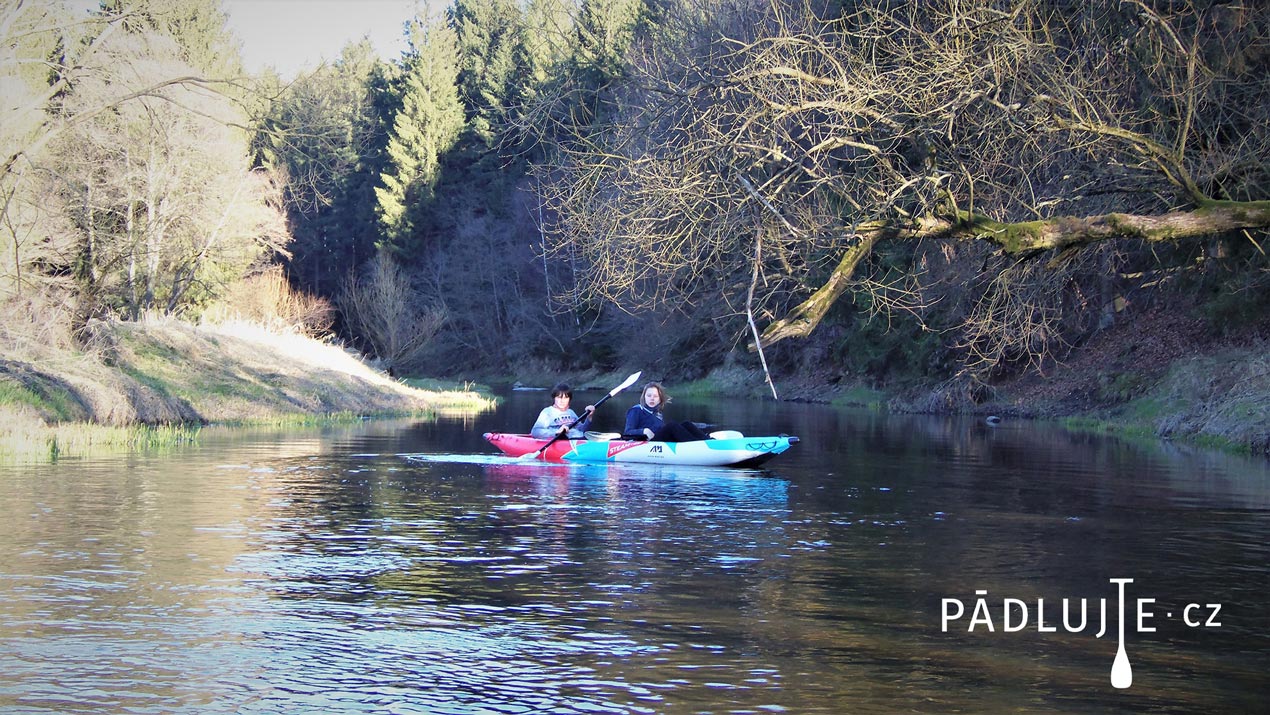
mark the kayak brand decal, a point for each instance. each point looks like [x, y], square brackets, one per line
[616, 448]
[1016, 614]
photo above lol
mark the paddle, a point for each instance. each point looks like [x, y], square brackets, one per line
[625, 384]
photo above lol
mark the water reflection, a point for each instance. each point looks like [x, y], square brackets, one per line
[406, 567]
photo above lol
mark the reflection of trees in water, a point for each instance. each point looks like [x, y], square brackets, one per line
[831, 563]
[112, 569]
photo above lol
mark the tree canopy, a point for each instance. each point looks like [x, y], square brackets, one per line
[812, 135]
[959, 186]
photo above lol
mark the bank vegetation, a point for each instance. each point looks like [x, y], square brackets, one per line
[156, 381]
[966, 205]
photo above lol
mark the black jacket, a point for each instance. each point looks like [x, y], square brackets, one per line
[639, 417]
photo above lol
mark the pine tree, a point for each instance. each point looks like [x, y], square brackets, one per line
[198, 26]
[606, 30]
[426, 126]
[546, 45]
[490, 46]
[548, 37]
[325, 134]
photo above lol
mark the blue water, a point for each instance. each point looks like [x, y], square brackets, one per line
[404, 567]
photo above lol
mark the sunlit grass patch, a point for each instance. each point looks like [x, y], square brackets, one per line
[163, 371]
[14, 394]
[26, 438]
[861, 397]
[327, 355]
[51, 401]
[81, 439]
[463, 401]
[302, 419]
[289, 343]
[452, 386]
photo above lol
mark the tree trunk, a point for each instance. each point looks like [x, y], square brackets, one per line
[1209, 219]
[803, 319]
[86, 266]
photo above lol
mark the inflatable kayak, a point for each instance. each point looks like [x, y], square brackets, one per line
[730, 451]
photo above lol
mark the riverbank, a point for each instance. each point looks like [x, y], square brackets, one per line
[1174, 382]
[1161, 375]
[154, 382]
[1164, 384]
[150, 384]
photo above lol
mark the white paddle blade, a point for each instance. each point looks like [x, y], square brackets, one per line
[626, 383]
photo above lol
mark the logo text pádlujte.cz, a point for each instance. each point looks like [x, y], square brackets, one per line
[1017, 614]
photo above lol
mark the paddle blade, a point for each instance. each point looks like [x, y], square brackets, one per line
[626, 383]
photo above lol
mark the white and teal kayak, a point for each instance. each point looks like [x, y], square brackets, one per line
[730, 450]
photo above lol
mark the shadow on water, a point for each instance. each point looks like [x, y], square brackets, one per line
[408, 567]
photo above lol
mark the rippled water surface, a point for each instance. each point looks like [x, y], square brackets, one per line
[405, 568]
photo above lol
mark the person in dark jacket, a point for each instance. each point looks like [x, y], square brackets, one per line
[645, 420]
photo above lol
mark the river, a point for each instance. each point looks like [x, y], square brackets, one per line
[403, 567]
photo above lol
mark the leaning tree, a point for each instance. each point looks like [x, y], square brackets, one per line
[768, 152]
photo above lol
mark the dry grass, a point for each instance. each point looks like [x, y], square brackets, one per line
[23, 434]
[1223, 397]
[168, 374]
[267, 299]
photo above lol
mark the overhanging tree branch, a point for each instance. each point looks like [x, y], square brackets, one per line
[1212, 218]
[50, 129]
[807, 315]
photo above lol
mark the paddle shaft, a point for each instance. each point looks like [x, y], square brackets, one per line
[625, 384]
[572, 424]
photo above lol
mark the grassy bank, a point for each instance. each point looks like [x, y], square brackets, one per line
[151, 384]
[1220, 400]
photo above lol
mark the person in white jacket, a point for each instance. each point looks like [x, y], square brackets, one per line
[557, 416]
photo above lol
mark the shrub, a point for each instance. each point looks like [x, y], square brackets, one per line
[267, 298]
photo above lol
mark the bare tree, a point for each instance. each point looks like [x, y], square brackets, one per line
[383, 309]
[167, 193]
[32, 34]
[1038, 128]
[122, 167]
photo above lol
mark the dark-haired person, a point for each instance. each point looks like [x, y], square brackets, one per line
[645, 420]
[557, 416]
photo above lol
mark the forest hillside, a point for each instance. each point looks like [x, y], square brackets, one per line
[1044, 207]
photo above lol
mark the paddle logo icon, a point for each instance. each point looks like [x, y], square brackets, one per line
[1121, 671]
[1013, 615]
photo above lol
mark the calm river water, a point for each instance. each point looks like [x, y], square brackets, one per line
[404, 568]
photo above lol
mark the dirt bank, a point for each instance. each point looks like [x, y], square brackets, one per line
[1162, 374]
[1158, 373]
[168, 372]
